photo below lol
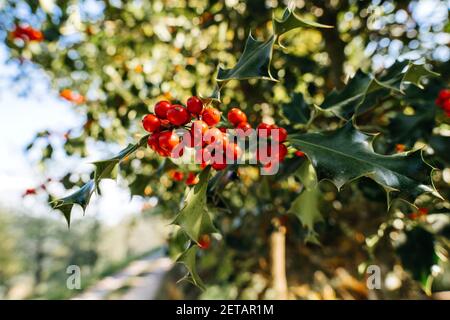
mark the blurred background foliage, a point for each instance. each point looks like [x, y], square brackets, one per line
[35, 252]
[124, 56]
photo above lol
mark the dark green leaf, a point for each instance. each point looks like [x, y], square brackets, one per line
[194, 218]
[307, 175]
[417, 253]
[188, 258]
[306, 205]
[407, 129]
[290, 21]
[364, 91]
[306, 208]
[104, 169]
[416, 73]
[254, 62]
[80, 197]
[297, 111]
[441, 146]
[345, 154]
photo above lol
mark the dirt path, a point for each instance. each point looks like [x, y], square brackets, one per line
[140, 280]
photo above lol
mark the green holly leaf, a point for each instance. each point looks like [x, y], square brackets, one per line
[346, 154]
[407, 129]
[254, 62]
[105, 169]
[417, 253]
[344, 103]
[290, 21]
[194, 218]
[307, 175]
[297, 111]
[81, 197]
[364, 91]
[415, 74]
[306, 206]
[440, 145]
[188, 259]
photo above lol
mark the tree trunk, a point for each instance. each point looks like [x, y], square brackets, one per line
[278, 262]
[334, 46]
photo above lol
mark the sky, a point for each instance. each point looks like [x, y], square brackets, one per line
[21, 117]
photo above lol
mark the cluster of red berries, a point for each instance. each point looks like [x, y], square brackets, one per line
[215, 147]
[443, 101]
[270, 131]
[164, 140]
[27, 33]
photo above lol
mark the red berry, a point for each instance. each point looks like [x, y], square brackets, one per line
[192, 179]
[72, 96]
[263, 153]
[163, 153]
[423, 211]
[446, 105]
[213, 135]
[282, 133]
[264, 130]
[153, 141]
[165, 123]
[198, 130]
[299, 153]
[204, 242]
[177, 175]
[178, 115]
[413, 216]
[232, 151]
[219, 165]
[236, 116]
[151, 123]
[194, 106]
[199, 127]
[161, 109]
[202, 156]
[444, 94]
[168, 140]
[211, 116]
[400, 147]
[282, 152]
[30, 191]
[270, 167]
[244, 126]
[27, 33]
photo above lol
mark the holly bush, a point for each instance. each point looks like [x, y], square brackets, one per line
[362, 161]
